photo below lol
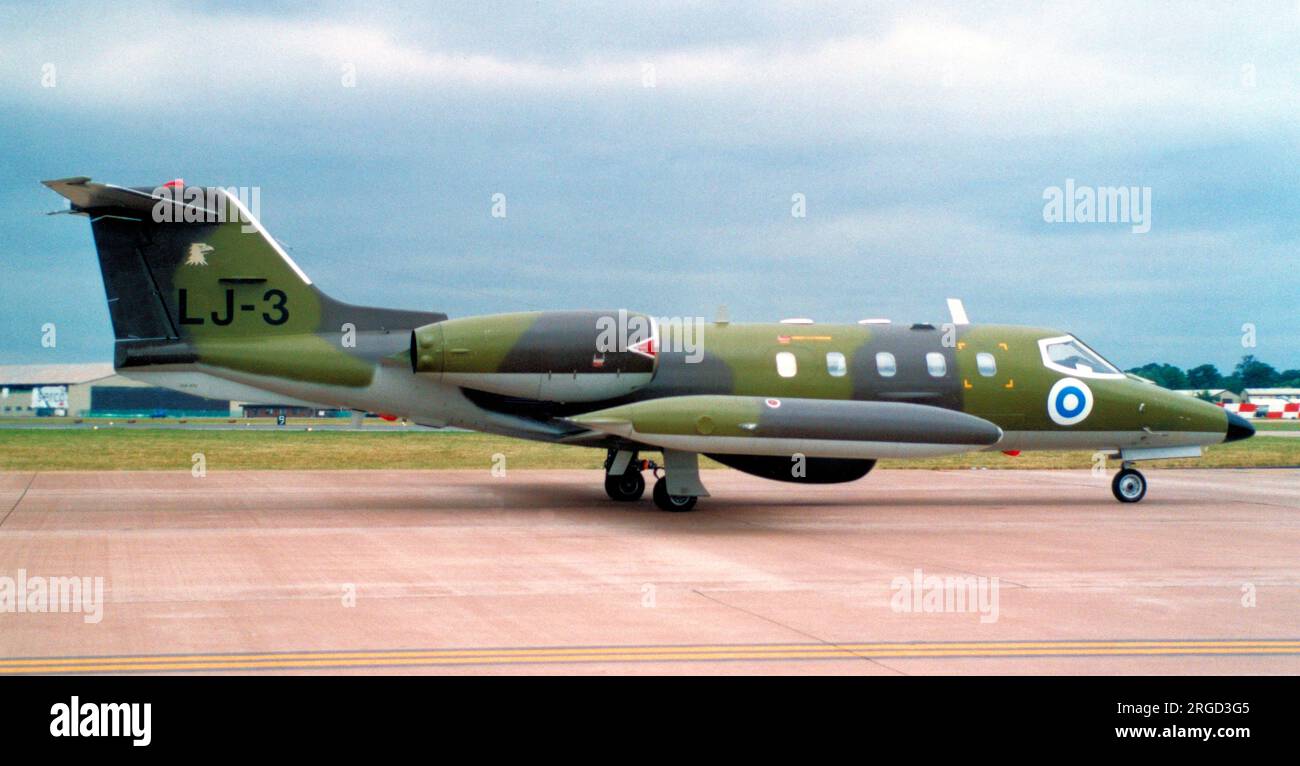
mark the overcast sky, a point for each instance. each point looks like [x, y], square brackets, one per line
[922, 141]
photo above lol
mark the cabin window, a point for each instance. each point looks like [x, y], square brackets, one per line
[988, 366]
[936, 364]
[835, 365]
[885, 364]
[786, 366]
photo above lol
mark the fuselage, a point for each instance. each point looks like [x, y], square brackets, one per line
[527, 374]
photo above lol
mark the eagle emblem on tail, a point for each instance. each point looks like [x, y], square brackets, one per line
[198, 254]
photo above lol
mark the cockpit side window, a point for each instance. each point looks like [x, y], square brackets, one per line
[1069, 355]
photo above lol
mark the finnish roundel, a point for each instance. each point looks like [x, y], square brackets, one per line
[1069, 401]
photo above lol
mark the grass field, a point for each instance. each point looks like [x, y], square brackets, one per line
[372, 422]
[173, 449]
[1263, 424]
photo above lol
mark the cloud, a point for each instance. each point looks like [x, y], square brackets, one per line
[1015, 75]
[922, 137]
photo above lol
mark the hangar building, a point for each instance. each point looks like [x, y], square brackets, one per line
[93, 390]
[96, 390]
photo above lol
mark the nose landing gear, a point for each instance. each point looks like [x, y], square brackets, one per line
[1129, 485]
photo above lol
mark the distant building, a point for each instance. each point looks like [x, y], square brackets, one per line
[96, 390]
[1214, 394]
[289, 411]
[92, 390]
[1284, 394]
[1273, 403]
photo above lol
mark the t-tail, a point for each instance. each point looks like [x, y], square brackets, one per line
[192, 278]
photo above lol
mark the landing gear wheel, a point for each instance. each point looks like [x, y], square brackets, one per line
[667, 502]
[1129, 486]
[626, 488]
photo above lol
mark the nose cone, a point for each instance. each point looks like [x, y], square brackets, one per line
[1238, 428]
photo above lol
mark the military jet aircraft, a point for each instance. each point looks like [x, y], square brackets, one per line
[204, 300]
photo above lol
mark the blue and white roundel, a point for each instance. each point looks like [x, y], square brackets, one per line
[1069, 401]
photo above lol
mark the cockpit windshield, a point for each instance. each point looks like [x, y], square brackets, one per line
[1069, 355]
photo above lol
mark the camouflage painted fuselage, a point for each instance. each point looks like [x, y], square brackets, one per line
[511, 361]
[218, 308]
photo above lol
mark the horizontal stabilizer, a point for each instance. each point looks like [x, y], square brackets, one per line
[87, 196]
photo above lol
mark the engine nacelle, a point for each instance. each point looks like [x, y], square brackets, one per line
[559, 356]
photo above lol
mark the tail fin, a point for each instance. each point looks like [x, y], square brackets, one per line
[179, 261]
[185, 264]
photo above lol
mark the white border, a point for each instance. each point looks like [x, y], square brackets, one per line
[1049, 364]
[265, 235]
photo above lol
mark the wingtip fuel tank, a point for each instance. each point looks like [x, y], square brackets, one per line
[785, 426]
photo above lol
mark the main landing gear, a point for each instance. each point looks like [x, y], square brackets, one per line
[667, 502]
[1129, 485]
[626, 487]
[624, 482]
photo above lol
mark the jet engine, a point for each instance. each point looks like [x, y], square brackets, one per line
[557, 356]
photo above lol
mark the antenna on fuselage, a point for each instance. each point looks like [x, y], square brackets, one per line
[957, 311]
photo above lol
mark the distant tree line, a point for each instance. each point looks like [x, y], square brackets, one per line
[1249, 373]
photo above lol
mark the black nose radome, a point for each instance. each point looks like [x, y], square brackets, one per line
[1238, 428]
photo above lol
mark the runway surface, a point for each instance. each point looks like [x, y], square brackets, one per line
[536, 572]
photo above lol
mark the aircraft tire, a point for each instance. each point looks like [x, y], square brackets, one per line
[626, 488]
[1129, 486]
[675, 503]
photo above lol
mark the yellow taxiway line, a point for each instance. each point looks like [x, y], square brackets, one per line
[164, 663]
